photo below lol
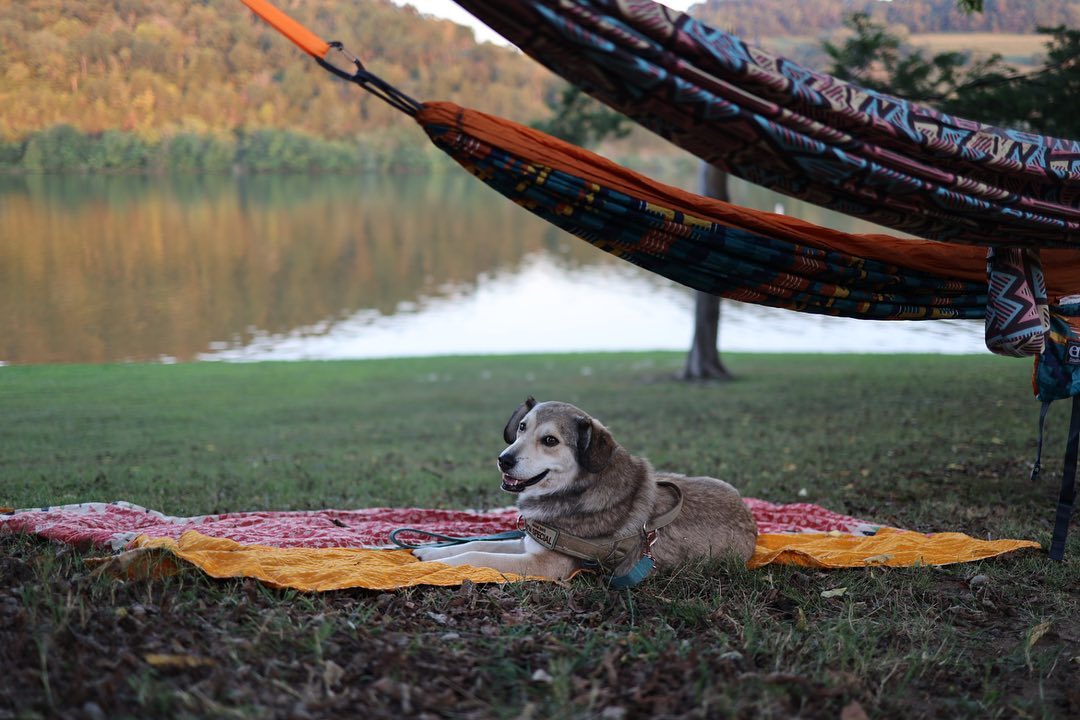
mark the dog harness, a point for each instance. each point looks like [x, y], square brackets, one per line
[608, 552]
[598, 553]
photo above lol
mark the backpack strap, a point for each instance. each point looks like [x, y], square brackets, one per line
[1067, 498]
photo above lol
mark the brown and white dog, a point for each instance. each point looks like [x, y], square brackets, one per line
[572, 477]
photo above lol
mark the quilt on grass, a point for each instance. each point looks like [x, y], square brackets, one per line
[337, 549]
[116, 524]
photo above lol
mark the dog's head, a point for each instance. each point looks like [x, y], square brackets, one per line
[551, 444]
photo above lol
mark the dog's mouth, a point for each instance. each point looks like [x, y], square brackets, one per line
[512, 484]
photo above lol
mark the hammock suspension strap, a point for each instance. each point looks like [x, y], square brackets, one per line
[370, 81]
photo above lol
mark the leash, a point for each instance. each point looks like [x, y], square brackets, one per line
[447, 540]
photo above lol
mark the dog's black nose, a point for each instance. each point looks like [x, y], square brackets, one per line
[507, 462]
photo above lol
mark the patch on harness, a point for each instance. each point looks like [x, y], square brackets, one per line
[544, 535]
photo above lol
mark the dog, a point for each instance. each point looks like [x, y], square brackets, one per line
[587, 502]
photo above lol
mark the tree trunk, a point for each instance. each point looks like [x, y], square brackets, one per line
[703, 360]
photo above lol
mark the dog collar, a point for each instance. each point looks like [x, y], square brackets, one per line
[610, 551]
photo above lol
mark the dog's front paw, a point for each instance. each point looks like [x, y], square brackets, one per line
[425, 554]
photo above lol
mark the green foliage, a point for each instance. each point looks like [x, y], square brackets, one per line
[191, 153]
[117, 151]
[60, 148]
[64, 149]
[986, 90]
[11, 154]
[1043, 101]
[875, 58]
[581, 120]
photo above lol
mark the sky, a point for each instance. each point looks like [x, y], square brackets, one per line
[451, 11]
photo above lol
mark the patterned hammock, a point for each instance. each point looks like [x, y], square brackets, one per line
[800, 132]
[707, 244]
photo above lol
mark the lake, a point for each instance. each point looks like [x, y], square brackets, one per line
[106, 269]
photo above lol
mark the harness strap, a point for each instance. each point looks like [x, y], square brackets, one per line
[668, 517]
[607, 551]
[1067, 498]
[601, 550]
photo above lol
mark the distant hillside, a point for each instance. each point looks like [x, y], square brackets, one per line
[159, 67]
[755, 19]
[204, 86]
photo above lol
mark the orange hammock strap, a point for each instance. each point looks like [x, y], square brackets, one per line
[318, 48]
[306, 40]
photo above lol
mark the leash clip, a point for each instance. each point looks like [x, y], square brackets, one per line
[651, 536]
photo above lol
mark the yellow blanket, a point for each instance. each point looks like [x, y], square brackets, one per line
[895, 548]
[319, 569]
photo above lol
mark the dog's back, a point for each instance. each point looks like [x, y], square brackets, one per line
[714, 522]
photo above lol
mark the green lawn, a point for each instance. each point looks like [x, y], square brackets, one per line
[924, 442]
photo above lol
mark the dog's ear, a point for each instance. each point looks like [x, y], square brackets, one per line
[594, 444]
[510, 431]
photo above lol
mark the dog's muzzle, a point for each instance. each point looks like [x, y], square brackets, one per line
[512, 484]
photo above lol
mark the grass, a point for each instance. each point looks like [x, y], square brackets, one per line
[930, 443]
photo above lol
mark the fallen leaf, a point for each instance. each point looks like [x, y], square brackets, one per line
[835, 592]
[332, 674]
[1033, 637]
[853, 711]
[1037, 632]
[879, 559]
[166, 660]
[137, 564]
[542, 676]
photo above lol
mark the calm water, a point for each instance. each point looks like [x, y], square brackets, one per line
[119, 268]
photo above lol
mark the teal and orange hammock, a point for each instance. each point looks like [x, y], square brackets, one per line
[776, 124]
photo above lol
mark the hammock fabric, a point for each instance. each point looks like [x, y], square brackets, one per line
[720, 248]
[706, 244]
[804, 133]
[336, 549]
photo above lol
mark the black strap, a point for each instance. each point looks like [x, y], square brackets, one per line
[371, 82]
[1036, 469]
[1068, 485]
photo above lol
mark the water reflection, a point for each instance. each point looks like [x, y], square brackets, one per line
[544, 306]
[102, 269]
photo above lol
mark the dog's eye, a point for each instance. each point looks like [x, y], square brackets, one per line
[550, 440]
[521, 427]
